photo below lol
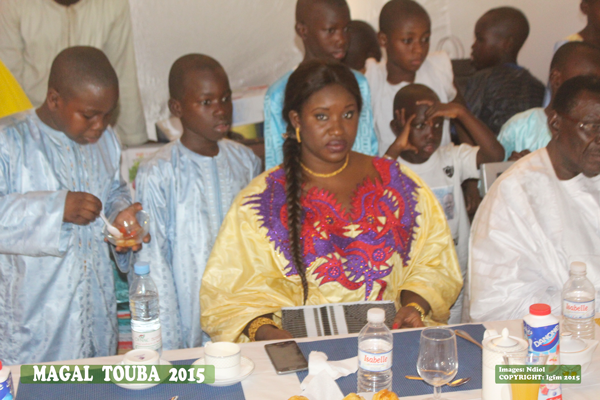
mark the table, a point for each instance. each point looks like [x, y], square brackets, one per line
[264, 383]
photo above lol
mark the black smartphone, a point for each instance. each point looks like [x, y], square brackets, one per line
[286, 357]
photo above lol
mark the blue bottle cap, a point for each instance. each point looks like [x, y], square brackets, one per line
[142, 267]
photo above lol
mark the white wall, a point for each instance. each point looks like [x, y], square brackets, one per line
[256, 43]
[253, 39]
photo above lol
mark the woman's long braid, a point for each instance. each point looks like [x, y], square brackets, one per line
[292, 152]
[306, 80]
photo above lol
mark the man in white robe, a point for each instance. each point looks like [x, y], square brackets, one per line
[541, 215]
[59, 167]
[33, 32]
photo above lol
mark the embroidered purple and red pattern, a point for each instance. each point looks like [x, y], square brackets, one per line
[354, 251]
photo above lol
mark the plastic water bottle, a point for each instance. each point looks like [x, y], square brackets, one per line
[375, 344]
[579, 303]
[143, 301]
[6, 390]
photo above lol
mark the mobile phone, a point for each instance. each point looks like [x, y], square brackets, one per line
[286, 357]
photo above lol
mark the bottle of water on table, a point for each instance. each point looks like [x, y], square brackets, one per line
[375, 343]
[579, 303]
[143, 302]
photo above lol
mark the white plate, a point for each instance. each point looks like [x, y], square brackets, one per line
[246, 368]
[141, 386]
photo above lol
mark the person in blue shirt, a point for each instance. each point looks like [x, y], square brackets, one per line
[323, 27]
[188, 187]
[59, 168]
[529, 131]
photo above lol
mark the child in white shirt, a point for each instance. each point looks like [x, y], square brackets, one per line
[405, 30]
[418, 124]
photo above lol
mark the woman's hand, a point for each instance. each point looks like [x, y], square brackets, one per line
[407, 317]
[271, 332]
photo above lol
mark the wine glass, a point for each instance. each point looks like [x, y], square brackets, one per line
[438, 359]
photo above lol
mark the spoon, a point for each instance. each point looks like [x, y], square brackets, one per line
[466, 336]
[111, 229]
[455, 383]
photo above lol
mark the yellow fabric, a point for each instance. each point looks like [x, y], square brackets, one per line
[12, 97]
[576, 37]
[244, 276]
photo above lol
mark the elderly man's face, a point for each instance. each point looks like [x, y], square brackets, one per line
[578, 136]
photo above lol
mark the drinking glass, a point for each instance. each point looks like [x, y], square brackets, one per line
[525, 391]
[438, 359]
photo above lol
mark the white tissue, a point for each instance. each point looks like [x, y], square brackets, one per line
[321, 387]
[318, 365]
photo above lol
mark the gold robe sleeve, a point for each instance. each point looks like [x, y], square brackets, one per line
[245, 275]
[243, 278]
[433, 271]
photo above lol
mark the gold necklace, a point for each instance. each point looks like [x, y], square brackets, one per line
[334, 173]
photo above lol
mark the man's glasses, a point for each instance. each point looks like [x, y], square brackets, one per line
[589, 128]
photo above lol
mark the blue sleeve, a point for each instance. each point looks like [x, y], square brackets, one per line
[274, 126]
[31, 223]
[366, 139]
[154, 186]
[119, 198]
[506, 137]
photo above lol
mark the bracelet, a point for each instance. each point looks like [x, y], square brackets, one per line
[418, 308]
[256, 324]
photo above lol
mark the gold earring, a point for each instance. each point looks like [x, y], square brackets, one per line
[298, 135]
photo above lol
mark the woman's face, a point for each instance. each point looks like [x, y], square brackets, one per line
[328, 122]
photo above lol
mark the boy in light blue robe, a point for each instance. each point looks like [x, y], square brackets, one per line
[59, 167]
[188, 187]
[315, 19]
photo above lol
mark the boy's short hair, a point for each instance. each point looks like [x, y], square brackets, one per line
[303, 7]
[568, 53]
[395, 12]
[413, 93]
[185, 64]
[363, 44]
[511, 21]
[79, 66]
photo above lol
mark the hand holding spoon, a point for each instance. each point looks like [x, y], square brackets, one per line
[111, 229]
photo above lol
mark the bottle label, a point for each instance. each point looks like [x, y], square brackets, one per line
[147, 340]
[579, 309]
[6, 389]
[543, 339]
[375, 362]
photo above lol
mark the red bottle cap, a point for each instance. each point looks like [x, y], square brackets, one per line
[540, 309]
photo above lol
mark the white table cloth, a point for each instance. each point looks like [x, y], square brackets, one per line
[264, 383]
